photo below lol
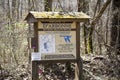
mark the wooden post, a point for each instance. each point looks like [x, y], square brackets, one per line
[34, 70]
[35, 44]
[79, 70]
[29, 41]
[34, 63]
[79, 64]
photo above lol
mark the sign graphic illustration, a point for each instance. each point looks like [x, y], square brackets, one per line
[67, 39]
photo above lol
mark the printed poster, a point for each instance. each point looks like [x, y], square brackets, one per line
[60, 42]
[47, 43]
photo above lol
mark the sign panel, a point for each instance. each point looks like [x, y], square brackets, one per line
[57, 26]
[35, 56]
[58, 44]
[66, 43]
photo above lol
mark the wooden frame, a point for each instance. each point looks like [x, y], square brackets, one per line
[79, 64]
[77, 60]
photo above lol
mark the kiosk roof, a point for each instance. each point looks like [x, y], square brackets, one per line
[58, 15]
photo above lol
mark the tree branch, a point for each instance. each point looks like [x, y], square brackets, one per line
[100, 12]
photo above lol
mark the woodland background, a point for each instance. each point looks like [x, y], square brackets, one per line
[100, 38]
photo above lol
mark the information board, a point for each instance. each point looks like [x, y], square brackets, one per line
[59, 43]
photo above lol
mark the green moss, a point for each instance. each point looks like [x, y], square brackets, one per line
[89, 41]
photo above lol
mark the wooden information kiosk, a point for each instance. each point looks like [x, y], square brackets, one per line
[56, 38]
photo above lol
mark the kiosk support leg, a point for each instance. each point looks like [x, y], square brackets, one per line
[79, 70]
[34, 70]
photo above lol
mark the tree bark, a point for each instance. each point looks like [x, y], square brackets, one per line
[115, 29]
[115, 38]
[95, 19]
[100, 12]
[48, 5]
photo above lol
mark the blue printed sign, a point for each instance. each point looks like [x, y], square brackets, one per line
[67, 39]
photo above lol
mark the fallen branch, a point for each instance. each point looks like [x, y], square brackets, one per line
[92, 75]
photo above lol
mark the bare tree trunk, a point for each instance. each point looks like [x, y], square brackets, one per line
[10, 9]
[115, 29]
[95, 19]
[85, 9]
[85, 38]
[107, 24]
[115, 37]
[99, 29]
[14, 10]
[91, 29]
[31, 6]
[80, 5]
[19, 9]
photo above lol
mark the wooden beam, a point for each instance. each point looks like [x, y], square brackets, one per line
[34, 71]
[34, 64]
[56, 61]
[63, 20]
[77, 40]
[79, 65]
[36, 36]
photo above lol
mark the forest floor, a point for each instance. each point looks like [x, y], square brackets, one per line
[95, 67]
[98, 67]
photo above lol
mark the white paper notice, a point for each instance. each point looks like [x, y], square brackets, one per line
[47, 43]
[35, 56]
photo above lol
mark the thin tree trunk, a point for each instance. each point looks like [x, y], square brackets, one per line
[99, 29]
[14, 10]
[107, 22]
[80, 5]
[10, 9]
[95, 19]
[48, 5]
[19, 9]
[91, 29]
[115, 29]
[85, 9]
[115, 37]
[85, 38]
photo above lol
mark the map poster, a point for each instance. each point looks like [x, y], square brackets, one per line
[47, 43]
